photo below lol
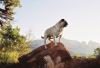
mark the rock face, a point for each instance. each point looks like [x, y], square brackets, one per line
[53, 57]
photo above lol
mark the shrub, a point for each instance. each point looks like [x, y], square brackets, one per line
[13, 45]
[9, 57]
[97, 53]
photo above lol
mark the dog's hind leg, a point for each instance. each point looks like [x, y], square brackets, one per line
[60, 37]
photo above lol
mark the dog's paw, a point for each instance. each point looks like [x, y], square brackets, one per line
[45, 47]
[55, 44]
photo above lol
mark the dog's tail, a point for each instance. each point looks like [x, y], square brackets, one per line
[42, 37]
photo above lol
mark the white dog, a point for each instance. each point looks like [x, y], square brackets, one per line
[54, 31]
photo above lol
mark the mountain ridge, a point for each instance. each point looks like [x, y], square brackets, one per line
[75, 47]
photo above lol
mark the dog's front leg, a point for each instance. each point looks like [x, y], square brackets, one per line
[45, 38]
[54, 40]
[60, 37]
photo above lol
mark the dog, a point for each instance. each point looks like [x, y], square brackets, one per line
[54, 31]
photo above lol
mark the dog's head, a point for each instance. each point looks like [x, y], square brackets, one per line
[63, 22]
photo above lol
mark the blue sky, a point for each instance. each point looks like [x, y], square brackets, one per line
[83, 17]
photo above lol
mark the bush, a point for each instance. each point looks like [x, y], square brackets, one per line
[9, 57]
[12, 44]
[97, 53]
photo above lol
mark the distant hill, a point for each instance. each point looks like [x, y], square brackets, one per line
[75, 47]
[36, 44]
[82, 48]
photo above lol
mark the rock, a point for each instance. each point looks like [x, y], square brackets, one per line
[53, 57]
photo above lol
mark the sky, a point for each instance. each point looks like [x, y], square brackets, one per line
[83, 17]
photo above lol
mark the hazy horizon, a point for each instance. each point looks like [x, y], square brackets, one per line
[73, 46]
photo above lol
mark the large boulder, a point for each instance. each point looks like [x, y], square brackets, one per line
[55, 56]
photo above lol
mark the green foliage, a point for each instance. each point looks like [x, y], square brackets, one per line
[97, 53]
[8, 11]
[9, 36]
[9, 6]
[12, 44]
[9, 57]
[14, 3]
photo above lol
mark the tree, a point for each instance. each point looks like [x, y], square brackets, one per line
[6, 13]
[12, 44]
[12, 40]
[97, 53]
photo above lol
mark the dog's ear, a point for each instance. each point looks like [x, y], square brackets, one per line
[62, 20]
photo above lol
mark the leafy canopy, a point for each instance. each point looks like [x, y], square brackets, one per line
[12, 44]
